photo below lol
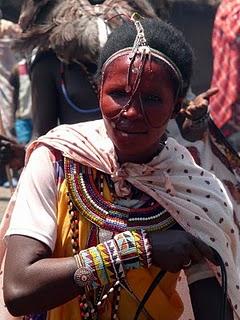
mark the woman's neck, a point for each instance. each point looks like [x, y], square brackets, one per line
[143, 157]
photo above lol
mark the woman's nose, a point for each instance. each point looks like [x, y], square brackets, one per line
[133, 109]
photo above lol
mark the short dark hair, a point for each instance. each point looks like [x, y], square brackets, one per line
[161, 36]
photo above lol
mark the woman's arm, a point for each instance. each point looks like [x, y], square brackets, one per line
[33, 280]
[44, 94]
[193, 119]
[14, 82]
[206, 296]
[38, 282]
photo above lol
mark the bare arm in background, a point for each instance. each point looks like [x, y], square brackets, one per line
[44, 96]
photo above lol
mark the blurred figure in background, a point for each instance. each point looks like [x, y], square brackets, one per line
[21, 101]
[225, 105]
[8, 32]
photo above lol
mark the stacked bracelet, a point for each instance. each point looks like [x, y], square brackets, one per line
[127, 247]
[112, 259]
[105, 263]
[92, 260]
[143, 247]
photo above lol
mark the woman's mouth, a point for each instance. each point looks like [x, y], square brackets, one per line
[128, 129]
[128, 133]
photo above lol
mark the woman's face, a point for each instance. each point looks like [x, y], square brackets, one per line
[136, 132]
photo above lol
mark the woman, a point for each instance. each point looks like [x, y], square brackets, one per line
[118, 200]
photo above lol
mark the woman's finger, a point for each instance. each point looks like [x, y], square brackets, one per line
[210, 92]
[205, 250]
[196, 255]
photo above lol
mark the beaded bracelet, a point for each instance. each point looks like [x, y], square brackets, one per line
[93, 261]
[134, 246]
[143, 248]
[202, 121]
[83, 276]
[147, 254]
[102, 277]
[128, 250]
[112, 260]
[105, 263]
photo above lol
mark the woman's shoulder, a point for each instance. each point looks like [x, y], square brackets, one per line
[42, 151]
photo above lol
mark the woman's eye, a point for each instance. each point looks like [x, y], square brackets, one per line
[152, 98]
[118, 94]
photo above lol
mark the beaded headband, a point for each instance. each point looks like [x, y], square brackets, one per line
[141, 47]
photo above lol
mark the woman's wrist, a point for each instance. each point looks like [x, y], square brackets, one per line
[201, 121]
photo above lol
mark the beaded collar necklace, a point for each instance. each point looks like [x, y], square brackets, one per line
[106, 215]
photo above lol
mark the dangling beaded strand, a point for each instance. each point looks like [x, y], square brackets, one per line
[87, 310]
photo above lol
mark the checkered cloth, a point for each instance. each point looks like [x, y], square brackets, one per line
[225, 105]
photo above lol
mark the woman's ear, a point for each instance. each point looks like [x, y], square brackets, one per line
[177, 107]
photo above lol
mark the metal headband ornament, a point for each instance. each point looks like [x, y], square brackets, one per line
[141, 47]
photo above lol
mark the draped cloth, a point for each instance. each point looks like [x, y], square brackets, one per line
[195, 198]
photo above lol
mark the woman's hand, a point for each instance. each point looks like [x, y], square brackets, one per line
[11, 153]
[8, 28]
[193, 118]
[173, 250]
[198, 107]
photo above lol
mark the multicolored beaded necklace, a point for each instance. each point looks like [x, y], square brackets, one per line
[105, 214]
[85, 191]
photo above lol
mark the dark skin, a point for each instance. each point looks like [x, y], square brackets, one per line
[49, 105]
[14, 81]
[11, 153]
[194, 111]
[39, 282]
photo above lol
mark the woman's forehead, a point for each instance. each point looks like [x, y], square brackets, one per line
[121, 72]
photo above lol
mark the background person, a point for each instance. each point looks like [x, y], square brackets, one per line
[22, 101]
[225, 105]
[8, 32]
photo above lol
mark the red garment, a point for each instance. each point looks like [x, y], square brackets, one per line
[225, 105]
